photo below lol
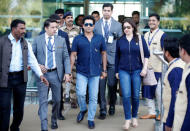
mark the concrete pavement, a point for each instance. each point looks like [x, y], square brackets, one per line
[31, 121]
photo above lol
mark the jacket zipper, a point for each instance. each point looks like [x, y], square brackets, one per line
[130, 55]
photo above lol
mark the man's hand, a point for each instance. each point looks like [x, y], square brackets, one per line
[43, 69]
[117, 75]
[143, 72]
[67, 78]
[104, 75]
[168, 128]
[44, 80]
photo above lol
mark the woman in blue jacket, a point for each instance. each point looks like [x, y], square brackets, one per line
[129, 69]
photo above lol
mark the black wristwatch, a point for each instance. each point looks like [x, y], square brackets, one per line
[105, 71]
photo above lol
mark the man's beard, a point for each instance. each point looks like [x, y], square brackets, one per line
[137, 23]
[165, 58]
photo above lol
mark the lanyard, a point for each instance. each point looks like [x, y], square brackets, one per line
[52, 47]
[150, 41]
[173, 61]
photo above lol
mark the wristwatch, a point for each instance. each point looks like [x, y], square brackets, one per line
[105, 71]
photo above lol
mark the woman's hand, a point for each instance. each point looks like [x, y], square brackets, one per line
[117, 75]
[143, 72]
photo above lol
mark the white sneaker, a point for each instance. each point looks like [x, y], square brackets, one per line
[134, 122]
[127, 124]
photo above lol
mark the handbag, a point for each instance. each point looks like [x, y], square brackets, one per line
[150, 78]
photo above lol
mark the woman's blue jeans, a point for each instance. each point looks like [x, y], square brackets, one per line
[130, 82]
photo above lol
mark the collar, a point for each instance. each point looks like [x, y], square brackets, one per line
[57, 32]
[73, 27]
[47, 36]
[154, 31]
[173, 61]
[109, 21]
[82, 34]
[187, 66]
[11, 37]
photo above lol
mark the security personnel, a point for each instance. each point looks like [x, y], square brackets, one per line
[155, 40]
[182, 105]
[172, 80]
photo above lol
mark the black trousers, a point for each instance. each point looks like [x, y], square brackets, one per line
[112, 89]
[17, 89]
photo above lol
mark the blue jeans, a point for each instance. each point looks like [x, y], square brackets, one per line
[81, 86]
[130, 86]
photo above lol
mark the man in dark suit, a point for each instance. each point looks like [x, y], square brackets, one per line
[15, 55]
[111, 30]
[52, 55]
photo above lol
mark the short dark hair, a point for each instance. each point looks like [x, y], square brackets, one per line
[15, 23]
[185, 42]
[54, 16]
[89, 17]
[172, 46]
[107, 5]
[155, 15]
[135, 13]
[48, 21]
[59, 11]
[95, 12]
[76, 19]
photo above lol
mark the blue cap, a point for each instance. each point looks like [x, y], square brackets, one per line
[67, 14]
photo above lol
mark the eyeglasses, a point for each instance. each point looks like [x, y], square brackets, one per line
[127, 27]
[88, 24]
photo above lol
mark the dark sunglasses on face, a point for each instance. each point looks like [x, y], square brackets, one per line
[88, 24]
[127, 27]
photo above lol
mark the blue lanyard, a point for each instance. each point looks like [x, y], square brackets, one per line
[174, 61]
[51, 49]
[150, 41]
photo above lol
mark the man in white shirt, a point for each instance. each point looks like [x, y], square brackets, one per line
[15, 55]
[52, 55]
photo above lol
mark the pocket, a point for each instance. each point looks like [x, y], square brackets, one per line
[97, 58]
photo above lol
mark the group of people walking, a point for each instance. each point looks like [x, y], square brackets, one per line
[87, 58]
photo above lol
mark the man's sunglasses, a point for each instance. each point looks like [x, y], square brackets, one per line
[88, 24]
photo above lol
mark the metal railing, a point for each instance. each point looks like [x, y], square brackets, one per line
[159, 54]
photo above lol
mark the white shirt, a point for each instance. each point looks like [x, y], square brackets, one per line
[103, 25]
[17, 58]
[52, 42]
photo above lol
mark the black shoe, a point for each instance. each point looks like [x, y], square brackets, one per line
[112, 110]
[73, 105]
[91, 124]
[44, 130]
[102, 116]
[61, 117]
[54, 125]
[80, 116]
[67, 100]
[14, 129]
[50, 102]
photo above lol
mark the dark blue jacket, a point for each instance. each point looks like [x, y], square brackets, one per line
[64, 35]
[128, 56]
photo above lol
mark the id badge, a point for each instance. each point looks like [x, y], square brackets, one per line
[110, 39]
